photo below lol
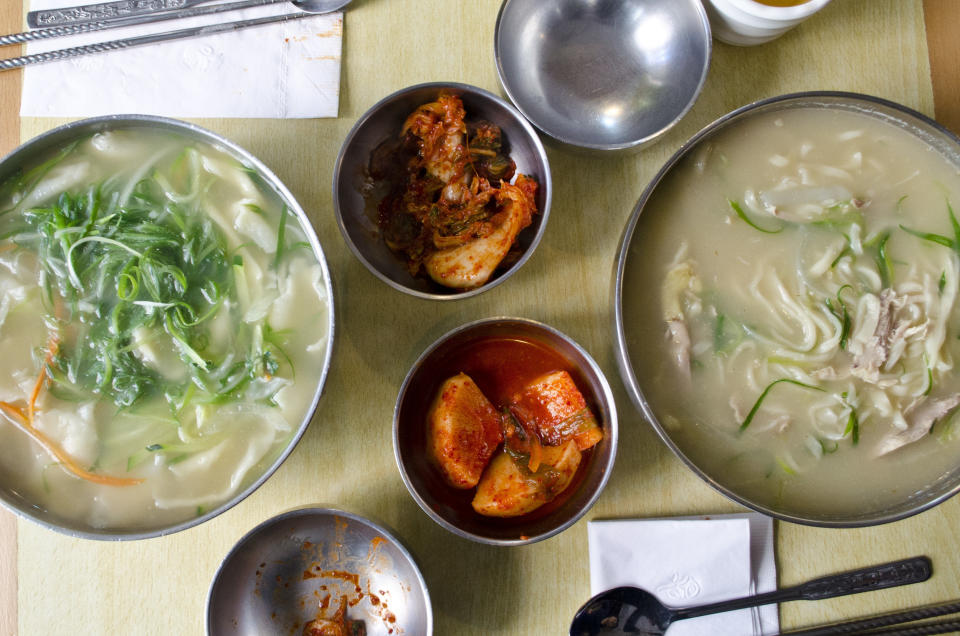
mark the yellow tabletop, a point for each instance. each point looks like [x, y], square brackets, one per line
[52, 584]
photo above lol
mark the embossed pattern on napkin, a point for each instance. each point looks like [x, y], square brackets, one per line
[688, 562]
[679, 590]
[286, 70]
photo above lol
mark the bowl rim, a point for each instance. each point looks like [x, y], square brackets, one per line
[606, 396]
[769, 12]
[317, 511]
[190, 130]
[545, 184]
[601, 148]
[621, 352]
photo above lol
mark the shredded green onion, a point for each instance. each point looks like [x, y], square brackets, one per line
[756, 405]
[939, 239]
[281, 230]
[846, 251]
[151, 272]
[853, 427]
[844, 317]
[883, 260]
[743, 216]
[785, 467]
[828, 446]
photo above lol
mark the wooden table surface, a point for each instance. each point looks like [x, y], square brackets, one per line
[903, 50]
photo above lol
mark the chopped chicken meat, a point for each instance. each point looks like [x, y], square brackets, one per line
[921, 420]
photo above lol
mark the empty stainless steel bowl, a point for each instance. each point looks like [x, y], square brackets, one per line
[297, 567]
[355, 205]
[451, 508]
[603, 75]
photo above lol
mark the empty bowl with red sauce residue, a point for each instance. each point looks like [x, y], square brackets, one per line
[315, 571]
[442, 190]
[505, 431]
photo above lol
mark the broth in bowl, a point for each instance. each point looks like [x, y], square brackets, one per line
[162, 325]
[797, 333]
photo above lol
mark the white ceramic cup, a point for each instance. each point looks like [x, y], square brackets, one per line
[746, 23]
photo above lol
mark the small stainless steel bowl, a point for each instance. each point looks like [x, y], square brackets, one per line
[608, 76]
[631, 346]
[27, 154]
[451, 508]
[295, 567]
[357, 214]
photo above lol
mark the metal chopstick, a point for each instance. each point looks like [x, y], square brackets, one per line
[951, 625]
[16, 62]
[866, 625]
[103, 11]
[122, 21]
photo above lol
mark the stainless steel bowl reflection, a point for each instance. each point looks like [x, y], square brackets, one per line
[627, 298]
[603, 75]
[57, 138]
[357, 214]
[444, 504]
[296, 566]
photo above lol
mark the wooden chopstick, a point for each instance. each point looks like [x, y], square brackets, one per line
[865, 626]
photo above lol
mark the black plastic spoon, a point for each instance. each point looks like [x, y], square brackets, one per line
[630, 610]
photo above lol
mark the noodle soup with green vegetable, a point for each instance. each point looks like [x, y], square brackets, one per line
[163, 326]
[801, 343]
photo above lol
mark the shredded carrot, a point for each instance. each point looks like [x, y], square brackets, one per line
[59, 308]
[24, 421]
[6, 247]
[52, 344]
[13, 411]
[68, 462]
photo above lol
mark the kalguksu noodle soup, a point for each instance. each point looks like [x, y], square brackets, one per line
[793, 289]
[163, 329]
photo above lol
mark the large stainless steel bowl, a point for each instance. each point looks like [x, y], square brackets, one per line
[604, 76]
[357, 213]
[628, 298]
[25, 155]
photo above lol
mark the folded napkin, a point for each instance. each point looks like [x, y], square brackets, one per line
[691, 561]
[285, 70]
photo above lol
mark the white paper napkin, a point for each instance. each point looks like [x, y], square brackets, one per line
[286, 70]
[691, 561]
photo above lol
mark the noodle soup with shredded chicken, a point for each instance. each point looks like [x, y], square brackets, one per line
[802, 341]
